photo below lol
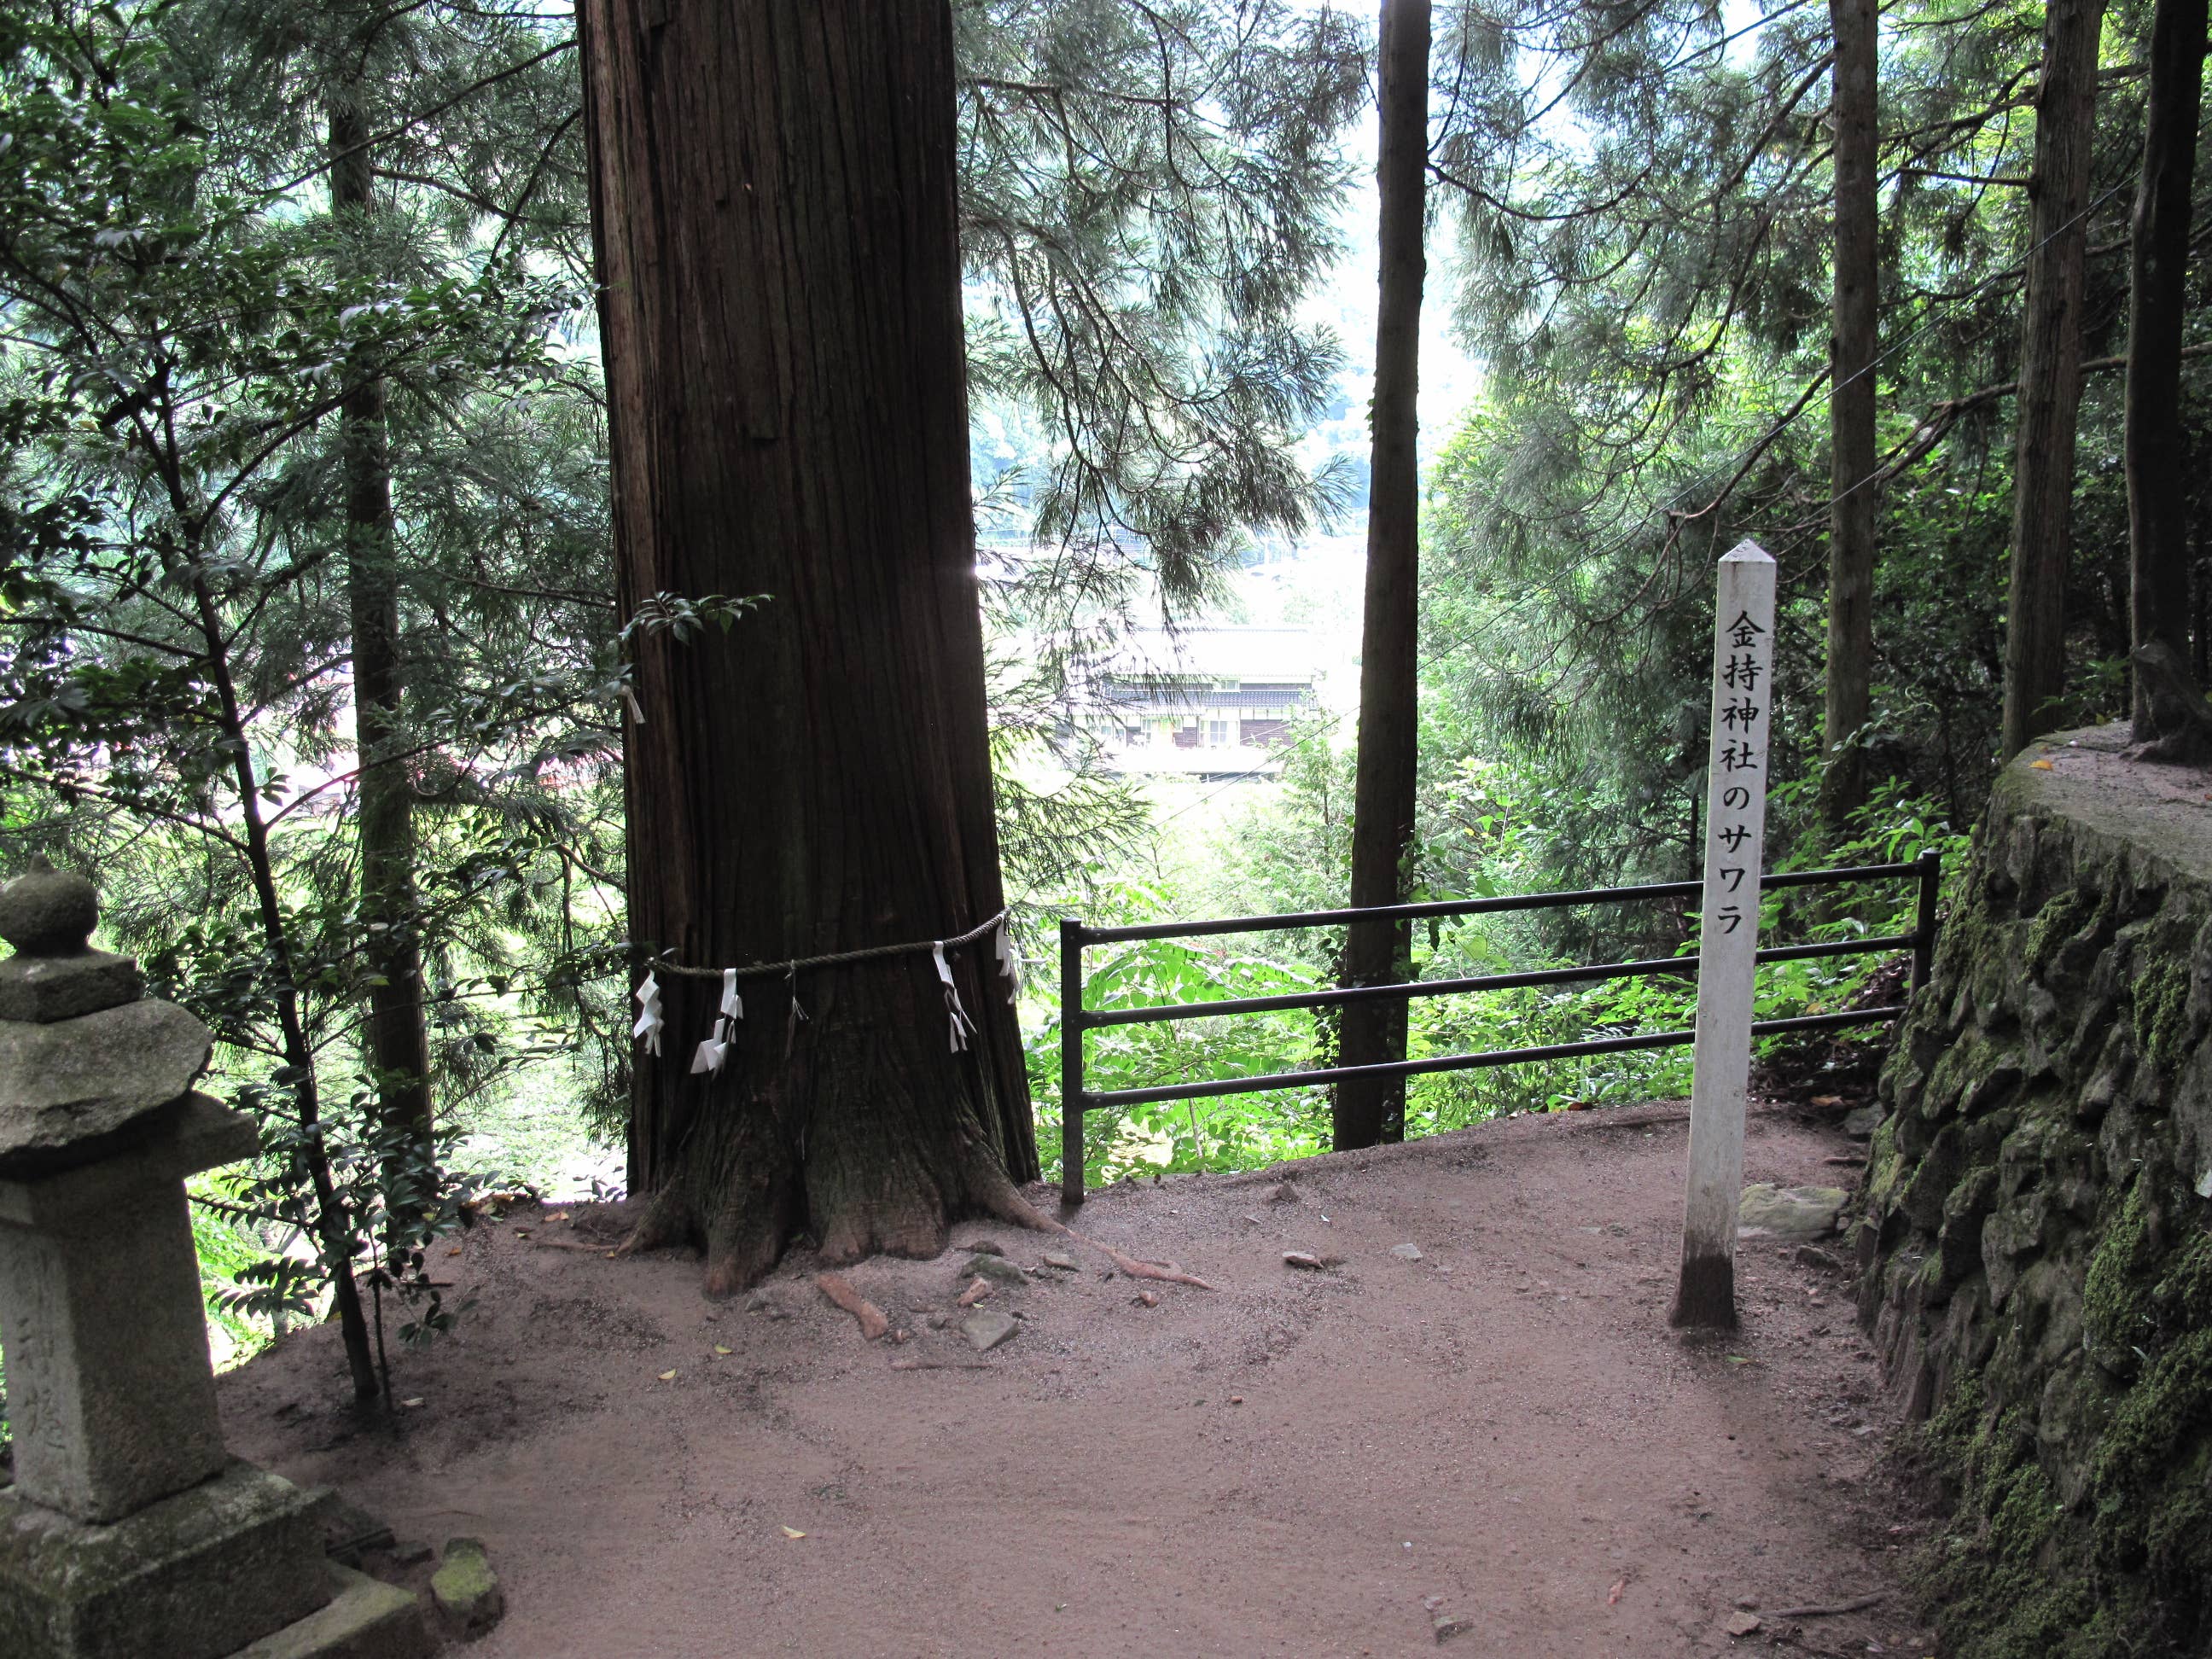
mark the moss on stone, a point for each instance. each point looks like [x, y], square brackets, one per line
[2114, 1293]
[2036, 1233]
[2162, 1010]
[2154, 1508]
[2066, 915]
[1988, 1574]
[2184, 1293]
[2017, 1575]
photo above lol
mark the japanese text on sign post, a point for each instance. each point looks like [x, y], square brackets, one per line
[1727, 946]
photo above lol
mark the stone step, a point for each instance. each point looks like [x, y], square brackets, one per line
[365, 1620]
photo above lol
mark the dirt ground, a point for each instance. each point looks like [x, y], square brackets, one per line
[1504, 1433]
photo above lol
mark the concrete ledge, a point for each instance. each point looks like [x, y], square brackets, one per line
[194, 1577]
[365, 1620]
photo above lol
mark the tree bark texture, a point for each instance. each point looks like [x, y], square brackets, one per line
[1379, 953]
[2157, 453]
[1852, 459]
[774, 217]
[398, 1043]
[2050, 372]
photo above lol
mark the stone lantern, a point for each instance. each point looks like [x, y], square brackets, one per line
[129, 1533]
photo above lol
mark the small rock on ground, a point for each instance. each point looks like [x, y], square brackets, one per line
[466, 1591]
[1445, 1625]
[1406, 1252]
[994, 1267]
[1801, 1212]
[1860, 1124]
[985, 1328]
[1056, 1259]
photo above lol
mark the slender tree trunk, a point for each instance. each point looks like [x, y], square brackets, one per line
[1851, 421]
[2050, 372]
[398, 1044]
[2157, 450]
[1381, 953]
[780, 314]
[332, 1222]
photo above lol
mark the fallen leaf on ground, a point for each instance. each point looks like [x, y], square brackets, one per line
[668, 1376]
[411, 1404]
[719, 1348]
[793, 1532]
[2040, 766]
[1613, 1596]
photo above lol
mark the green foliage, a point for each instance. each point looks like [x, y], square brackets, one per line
[1491, 829]
[1643, 200]
[1231, 1131]
[1147, 194]
[185, 323]
[228, 1255]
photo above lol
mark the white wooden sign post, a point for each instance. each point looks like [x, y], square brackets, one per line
[1727, 938]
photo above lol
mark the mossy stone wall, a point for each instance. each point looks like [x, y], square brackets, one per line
[2035, 1247]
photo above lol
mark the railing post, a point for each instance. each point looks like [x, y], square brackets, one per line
[1924, 924]
[1071, 1060]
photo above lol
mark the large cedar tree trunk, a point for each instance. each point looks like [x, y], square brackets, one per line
[773, 208]
[1380, 953]
[2050, 372]
[398, 1045]
[1851, 422]
[2157, 450]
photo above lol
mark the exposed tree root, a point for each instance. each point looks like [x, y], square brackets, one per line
[761, 1206]
[839, 1290]
[1166, 1271]
[941, 1365]
[666, 1221]
[1856, 1604]
[1010, 1206]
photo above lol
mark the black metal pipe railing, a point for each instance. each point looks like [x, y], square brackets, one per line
[1094, 1018]
[1076, 1019]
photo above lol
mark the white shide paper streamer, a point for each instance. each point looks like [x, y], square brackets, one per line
[648, 1020]
[709, 1056]
[961, 1026]
[1010, 963]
